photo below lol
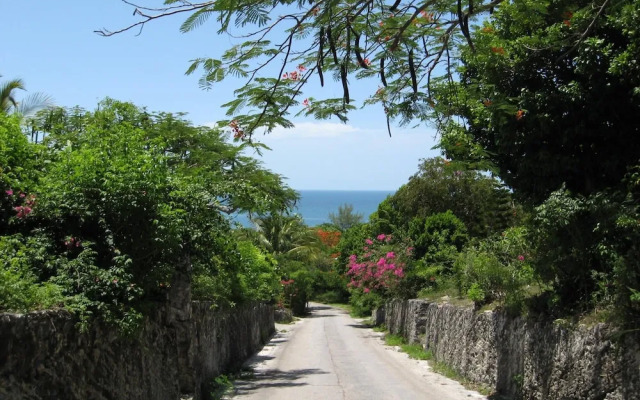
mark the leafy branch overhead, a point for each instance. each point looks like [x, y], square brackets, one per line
[404, 45]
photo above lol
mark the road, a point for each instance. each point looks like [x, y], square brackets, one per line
[329, 355]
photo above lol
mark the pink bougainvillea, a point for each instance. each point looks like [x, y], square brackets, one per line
[380, 267]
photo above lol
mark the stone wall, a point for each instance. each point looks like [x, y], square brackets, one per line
[406, 318]
[43, 356]
[525, 358]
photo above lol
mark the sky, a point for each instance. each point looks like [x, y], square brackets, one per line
[52, 47]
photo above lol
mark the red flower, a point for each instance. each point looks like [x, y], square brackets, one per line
[519, 114]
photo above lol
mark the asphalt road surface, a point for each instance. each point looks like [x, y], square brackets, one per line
[329, 355]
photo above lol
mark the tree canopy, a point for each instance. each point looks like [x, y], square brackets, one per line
[542, 92]
[405, 46]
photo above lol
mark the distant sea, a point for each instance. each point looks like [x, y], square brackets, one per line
[315, 205]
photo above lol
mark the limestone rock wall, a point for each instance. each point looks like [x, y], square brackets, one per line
[406, 318]
[525, 358]
[44, 356]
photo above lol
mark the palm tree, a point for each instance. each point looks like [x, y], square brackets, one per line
[286, 235]
[26, 107]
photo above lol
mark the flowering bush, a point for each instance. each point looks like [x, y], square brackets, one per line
[381, 266]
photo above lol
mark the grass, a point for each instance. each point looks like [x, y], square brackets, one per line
[417, 352]
[448, 371]
[223, 385]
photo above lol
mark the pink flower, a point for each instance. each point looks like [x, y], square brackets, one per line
[390, 254]
[22, 195]
[22, 211]
[368, 241]
[366, 290]
[9, 192]
[381, 236]
[305, 102]
[381, 262]
[521, 257]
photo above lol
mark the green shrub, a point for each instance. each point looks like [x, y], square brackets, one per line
[589, 249]
[496, 269]
[20, 290]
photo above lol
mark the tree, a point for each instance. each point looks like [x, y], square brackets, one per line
[282, 234]
[528, 71]
[26, 107]
[550, 96]
[403, 45]
[107, 210]
[345, 218]
[481, 202]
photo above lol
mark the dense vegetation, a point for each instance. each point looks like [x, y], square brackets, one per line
[100, 215]
[533, 206]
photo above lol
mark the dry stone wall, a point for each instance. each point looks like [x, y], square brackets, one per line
[524, 358]
[44, 356]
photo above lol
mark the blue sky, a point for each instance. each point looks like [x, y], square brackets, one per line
[52, 47]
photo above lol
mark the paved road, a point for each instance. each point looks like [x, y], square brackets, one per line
[329, 355]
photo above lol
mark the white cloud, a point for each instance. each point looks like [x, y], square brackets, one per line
[313, 130]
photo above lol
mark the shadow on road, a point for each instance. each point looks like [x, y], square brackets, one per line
[274, 378]
[360, 326]
[315, 308]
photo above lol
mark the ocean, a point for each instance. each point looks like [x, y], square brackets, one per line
[315, 205]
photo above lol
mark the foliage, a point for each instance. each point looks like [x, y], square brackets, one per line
[28, 106]
[591, 256]
[20, 289]
[497, 269]
[101, 217]
[285, 234]
[437, 240]
[436, 230]
[549, 93]
[345, 218]
[402, 46]
[259, 273]
[544, 94]
[379, 267]
[439, 186]
[350, 243]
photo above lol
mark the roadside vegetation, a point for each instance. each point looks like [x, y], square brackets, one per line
[532, 207]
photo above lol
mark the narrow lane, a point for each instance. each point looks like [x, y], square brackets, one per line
[329, 355]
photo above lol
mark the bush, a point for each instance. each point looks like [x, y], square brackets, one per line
[591, 249]
[20, 290]
[496, 269]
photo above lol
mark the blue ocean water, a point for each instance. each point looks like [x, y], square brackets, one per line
[315, 205]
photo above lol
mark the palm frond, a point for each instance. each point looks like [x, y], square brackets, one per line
[7, 100]
[33, 103]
